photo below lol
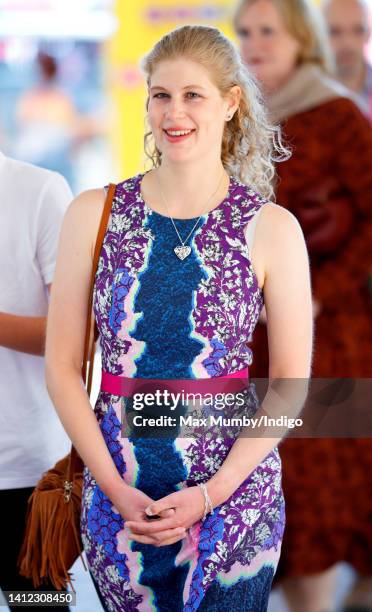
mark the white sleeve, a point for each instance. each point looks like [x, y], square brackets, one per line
[55, 199]
[250, 229]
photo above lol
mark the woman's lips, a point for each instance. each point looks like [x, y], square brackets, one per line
[181, 138]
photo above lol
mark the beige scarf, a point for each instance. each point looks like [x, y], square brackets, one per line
[307, 88]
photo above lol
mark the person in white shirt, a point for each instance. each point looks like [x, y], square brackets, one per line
[32, 204]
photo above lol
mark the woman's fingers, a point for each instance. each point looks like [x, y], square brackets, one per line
[149, 528]
[171, 540]
[167, 513]
[169, 501]
[167, 536]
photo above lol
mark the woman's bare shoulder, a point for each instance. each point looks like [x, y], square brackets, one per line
[279, 236]
[88, 204]
[279, 223]
[84, 213]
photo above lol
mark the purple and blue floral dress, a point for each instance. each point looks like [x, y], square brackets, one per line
[162, 317]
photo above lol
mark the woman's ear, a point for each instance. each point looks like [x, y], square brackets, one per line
[235, 95]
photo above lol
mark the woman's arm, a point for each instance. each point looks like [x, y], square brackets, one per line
[280, 245]
[64, 353]
[65, 338]
[280, 248]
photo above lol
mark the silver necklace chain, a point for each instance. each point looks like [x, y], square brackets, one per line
[184, 250]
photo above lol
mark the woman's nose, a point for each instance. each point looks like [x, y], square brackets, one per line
[175, 108]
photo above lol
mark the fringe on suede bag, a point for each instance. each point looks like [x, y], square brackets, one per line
[52, 540]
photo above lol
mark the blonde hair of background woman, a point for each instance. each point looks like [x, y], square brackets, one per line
[250, 144]
[305, 22]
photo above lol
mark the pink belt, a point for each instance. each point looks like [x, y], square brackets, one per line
[126, 387]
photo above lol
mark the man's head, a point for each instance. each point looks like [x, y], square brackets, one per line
[348, 22]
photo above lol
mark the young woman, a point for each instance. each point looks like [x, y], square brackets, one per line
[327, 185]
[179, 288]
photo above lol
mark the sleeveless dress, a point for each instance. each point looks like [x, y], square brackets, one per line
[160, 317]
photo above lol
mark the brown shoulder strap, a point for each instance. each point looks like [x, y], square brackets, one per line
[89, 349]
[75, 463]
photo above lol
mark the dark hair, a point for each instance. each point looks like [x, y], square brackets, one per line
[47, 65]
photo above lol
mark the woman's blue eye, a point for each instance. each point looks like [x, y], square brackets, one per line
[193, 93]
[158, 95]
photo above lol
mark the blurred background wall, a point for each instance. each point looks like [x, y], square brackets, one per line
[71, 92]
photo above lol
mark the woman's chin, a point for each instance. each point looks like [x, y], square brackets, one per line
[178, 157]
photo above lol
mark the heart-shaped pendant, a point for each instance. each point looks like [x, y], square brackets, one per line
[182, 251]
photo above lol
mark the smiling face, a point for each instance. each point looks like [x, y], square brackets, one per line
[186, 111]
[267, 47]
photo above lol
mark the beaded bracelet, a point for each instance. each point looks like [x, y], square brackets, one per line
[208, 508]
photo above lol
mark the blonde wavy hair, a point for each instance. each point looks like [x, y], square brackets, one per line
[304, 21]
[250, 144]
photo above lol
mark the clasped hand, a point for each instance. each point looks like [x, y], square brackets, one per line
[177, 512]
